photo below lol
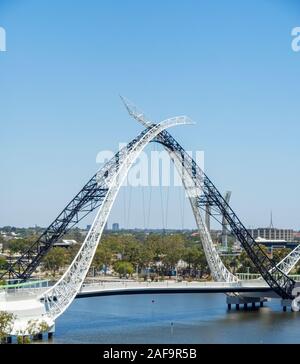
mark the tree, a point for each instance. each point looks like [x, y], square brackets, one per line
[3, 263]
[154, 243]
[145, 256]
[20, 246]
[54, 260]
[35, 327]
[189, 256]
[2, 243]
[123, 268]
[234, 264]
[113, 242]
[279, 254]
[6, 323]
[132, 251]
[103, 256]
[173, 249]
[71, 252]
[196, 260]
[245, 264]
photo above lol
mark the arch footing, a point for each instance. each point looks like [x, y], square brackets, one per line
[287, 304]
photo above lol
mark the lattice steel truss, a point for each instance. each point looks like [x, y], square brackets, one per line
[88, 199]
[273, 275]
[205, 193]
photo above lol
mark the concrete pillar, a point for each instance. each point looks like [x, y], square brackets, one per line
[237, 306]
[261, 304]
[253, 304]
[245, 306]
[285, 304]
[229, 306]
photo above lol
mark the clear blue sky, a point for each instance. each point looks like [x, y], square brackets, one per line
[227, 64]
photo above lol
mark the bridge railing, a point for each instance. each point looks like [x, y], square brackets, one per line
[296, 277]
[247, 276]
[31, 287]
[99, 286]
[251, 276]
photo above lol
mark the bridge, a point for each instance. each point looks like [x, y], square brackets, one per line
[100, 193]
[108, 288]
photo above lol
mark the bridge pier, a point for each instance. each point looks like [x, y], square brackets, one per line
[51, 332]
[285, 304]
[244, 300]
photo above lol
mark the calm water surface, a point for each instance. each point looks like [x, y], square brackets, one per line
[196, 318]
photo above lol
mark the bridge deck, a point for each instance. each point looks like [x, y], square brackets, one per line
[125, 288]
[25, 303]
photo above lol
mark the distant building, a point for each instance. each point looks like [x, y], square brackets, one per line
[297, 235]
[65, 243]
[271, 233]
[115, 226]
[88, 227]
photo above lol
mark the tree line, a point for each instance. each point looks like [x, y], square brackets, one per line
[150, 255]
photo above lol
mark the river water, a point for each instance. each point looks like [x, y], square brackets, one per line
[173, 318]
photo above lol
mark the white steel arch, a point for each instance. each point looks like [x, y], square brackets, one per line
[218, 270]
[289, 261]
[216, 265]
[58, 298]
